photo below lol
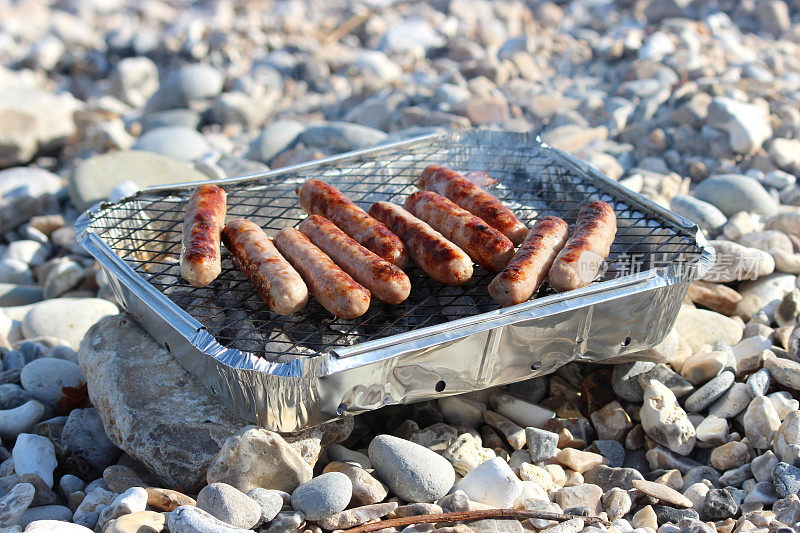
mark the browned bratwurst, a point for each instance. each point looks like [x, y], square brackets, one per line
[331, 286]
[200, 253]
[485, 245]
[275, 279]
[527, 270]
[430, 250]
[384, 280]
[452, 185]
[580, 260]
[320, 198]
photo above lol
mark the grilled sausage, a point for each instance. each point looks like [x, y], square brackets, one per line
[384, 280]
[331, 286]
[485, 245]
[430, 250]
[320, 198]
[200, 253]
[474, 199]
[580, 260]
[527, 270]
[276, 281]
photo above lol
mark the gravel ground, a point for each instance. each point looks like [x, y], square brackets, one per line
[693, 104]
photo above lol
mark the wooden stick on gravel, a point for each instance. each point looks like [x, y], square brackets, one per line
[470, 515]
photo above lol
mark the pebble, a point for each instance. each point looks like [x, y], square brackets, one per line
[708, 393]
[323, 496]
[55, 526]
[732, 402]
[366, 489]
[786, 479]
[701, 367]
[94, 502]
[133, 500]
[14, 504]
[120, 478]
[357, 516]
[735, 262]
[34, 454]
[607, 477]
[62, 278]
[661, 492]
[492, 483]
[284, 521]
[45, 378]
[45, 512]
[784, 371]
[541, 444]
[191, 82]
[138, 522]
[761, 422]
[747, 126]
[664, 420]
[15, 272]
[255, 457]
[189, 519]
[231, 505]
[704, 214]
[728, 456]
[459, 410]
[65, 318]
[624, 379]
[523, 413]
[699, 327]
[585, 495]
[411, 471]
[20, 419]
[712, 430]
[270, 502]
[342, 136]
[177, 142]
[662, 373]
[84, 438]
[579, 461]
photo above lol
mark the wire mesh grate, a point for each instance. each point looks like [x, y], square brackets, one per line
[145, 231]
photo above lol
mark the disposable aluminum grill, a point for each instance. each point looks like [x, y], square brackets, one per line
[286, 373]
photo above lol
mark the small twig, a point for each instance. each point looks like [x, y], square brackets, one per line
[470, 515]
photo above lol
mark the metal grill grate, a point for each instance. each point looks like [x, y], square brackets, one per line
[145, 231]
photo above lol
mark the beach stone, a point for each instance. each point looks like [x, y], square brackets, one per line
[342, 136]
[84, 440]
[616, 503]
[34, 454]
[786, 478]
[411, 471]
[662, 492]
[783, 403]
[770, 289]
[285, 521]
[132, 500]
[166, 499]
[357, 516]
[747, 125]
[45, 378]
[255, 457]
[27, 251]
[624, 380]
[735, 262]
[728, 456]
[664, 420]
[229, 505]
[274, 139]
[787, 437]
[763, 465]
[14, 503]
[459, 410]
[699, 326]
[95, 501]
[191, 82]
[492, 483]
[579, 461]
[701, 367]
[612, 450]
[784, 371]
[541, 444]
[705, 395]
[120, 478]
[611, 422]
[94, 178]
[662, 373]
[732, 402]
[761, 422]
[712, 430]
[139, 522]
[465, 452]
[270, 502]
[704, 214]
[55, 526]
[323, 496]
[607, 477]
[190, 519]
[45, 512]
[187, 425]
[66, 318]
[758, 383]
[15, 272]
[62, 278]
[12, 395]
[366, 489]
[20, 419]
[177, 142]
[25, 192]
[585, 495]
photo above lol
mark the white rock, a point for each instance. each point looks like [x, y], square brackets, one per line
[96, 500]
[733, 402]
[55, 526]
[747, 124]
[712, 430]
[665, 421]
[783, 403]
[132, 500]
[524, 413]
[749, 349]
[459, 410]
[35, 454]
[20, 419]
[761, 422]
[492, 483]
[66, 318]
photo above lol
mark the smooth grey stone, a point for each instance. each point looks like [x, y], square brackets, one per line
[174, 141]
[705, 395]
[45, 378]
[274, 139]
[737, 476]
[13, 504]
[84, 440]
[413, 472]
[16, 295]
[679, 385]
[191, 82]
[230, 505]
[704, 214]
[612, 450]
[607, 477]
[270, 501]
[285, 522]
[542, 444]
[698, 474]
[46, 512]
[342, 136]
[13, 360]
[732, 193]
[185, 118]
[323, 496]
[191, 519]
[12, 395]
[624, 380]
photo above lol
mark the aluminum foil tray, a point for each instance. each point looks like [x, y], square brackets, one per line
[285, 373]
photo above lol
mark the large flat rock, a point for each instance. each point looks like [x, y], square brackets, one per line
[159, 413]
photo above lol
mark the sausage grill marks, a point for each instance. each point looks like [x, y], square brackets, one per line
[200, 259]
[452, 185]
